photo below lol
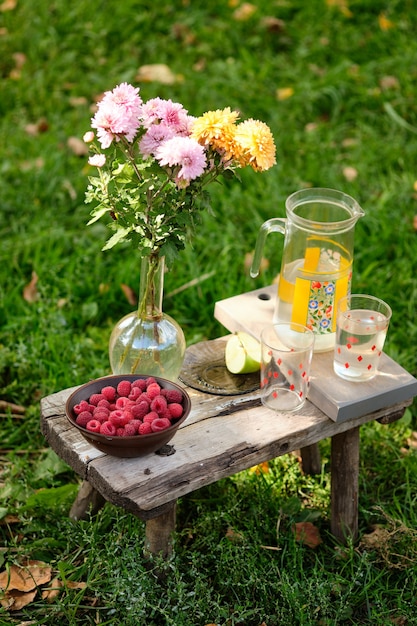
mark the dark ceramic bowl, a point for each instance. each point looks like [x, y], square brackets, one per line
[126, 447]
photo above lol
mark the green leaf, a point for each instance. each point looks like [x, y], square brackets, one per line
[97, 214]
[124, 173]
[119, 236]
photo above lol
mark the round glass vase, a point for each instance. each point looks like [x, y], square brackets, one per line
[148, 341]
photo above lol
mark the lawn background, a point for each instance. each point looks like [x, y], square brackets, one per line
[336, 83]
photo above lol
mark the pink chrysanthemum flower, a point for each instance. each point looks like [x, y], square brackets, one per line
[150, 112]
[185, 153]
[126, 96]
[108, 121]
[118, 114]
[153, 138]
[174, 115]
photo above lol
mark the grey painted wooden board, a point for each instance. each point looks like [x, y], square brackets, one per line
[221, 436]
[338, 399]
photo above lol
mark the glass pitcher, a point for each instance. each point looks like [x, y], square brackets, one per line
[316, 267]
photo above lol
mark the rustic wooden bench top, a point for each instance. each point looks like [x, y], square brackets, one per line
[222, 436]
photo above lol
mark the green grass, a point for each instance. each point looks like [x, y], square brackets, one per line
[353, 105]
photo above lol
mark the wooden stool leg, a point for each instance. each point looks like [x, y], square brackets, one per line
[158, 533]
[311, 460]
[345, 484]
[88, 502]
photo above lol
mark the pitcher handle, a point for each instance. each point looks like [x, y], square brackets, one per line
[274, 225]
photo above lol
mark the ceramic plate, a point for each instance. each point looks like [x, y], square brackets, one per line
[204, 369]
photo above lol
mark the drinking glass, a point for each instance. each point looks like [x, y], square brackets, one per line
[361, 327]
[286, 353]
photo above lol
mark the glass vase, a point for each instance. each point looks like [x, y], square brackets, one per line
[148, 341]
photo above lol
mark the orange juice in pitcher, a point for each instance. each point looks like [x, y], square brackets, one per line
[316, 266]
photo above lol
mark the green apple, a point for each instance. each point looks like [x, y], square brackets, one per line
[243, 354]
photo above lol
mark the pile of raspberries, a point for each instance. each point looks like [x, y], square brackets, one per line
[133, 408]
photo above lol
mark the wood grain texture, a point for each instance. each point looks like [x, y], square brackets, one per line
[221, 436]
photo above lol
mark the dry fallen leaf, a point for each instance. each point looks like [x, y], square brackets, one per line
[308, 534]
[349, 142]
[35, 164]
[25, 577]
[412, 441]
[72, 584]
[311, 127]
[384, 22]
[342, 5]
[77, 145]
[78, 101]
[130, 295]
[16, 600]
[8, 5]
[273, 24]
[234, 536]
[244, 12]
[53, 590]
[284, 93]
[389, 82]
[34, 129]
[30, 291]
[350, 173]
[157, 72]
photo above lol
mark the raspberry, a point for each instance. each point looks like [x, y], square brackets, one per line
[159, 404]
[124, 388]
[135, 393]
[140, 383]
[123, 402]
[95, 398]
[144, 397]
[135, 424]
[109, 393]
[145, 429]
[82, 406]
[175, 410]
[139, 410]
[153, 390]
[166, 414]
[150, 380]
[120, 431]
[130, 430]
[160, 424]
[173, 395]
[93, 426]
[104, 403]
[101, 416]
[150, 417]
[83, 418]
[107, 428]
[120, 418]
[101, 409]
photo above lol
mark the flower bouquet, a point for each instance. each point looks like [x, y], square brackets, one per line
[154, 163]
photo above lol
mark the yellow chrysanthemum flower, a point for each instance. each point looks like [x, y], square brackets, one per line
[216, 129]
[254, 145]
